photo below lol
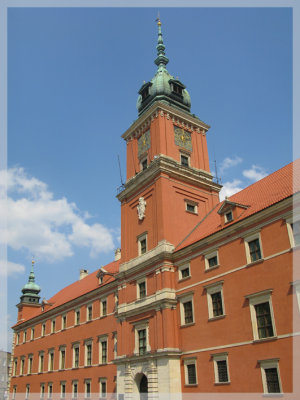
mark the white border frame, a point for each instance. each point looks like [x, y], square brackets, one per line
[265, 364]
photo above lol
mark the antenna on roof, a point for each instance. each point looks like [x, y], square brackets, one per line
[120, 171]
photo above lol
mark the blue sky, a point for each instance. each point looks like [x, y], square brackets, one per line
[73, 78]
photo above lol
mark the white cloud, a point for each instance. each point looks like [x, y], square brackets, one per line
[229, 188]
[255, 173]
[8, 268]
[48, 228]
[230, 162]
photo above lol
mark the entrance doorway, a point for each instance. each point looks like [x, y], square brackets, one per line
[143, 388]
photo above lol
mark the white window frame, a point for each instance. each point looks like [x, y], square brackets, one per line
[220, 357]
[42, 390]
[87, 312]
[25, 336]
[101, 339]
[27, 391]
[138, 327]
[43, 333]
[104, 299]
[140, 238]
[62, 348]
[86, 382]
[63, 395]
[14, 392]
[259, 298]
[186, 362]
[41, 364]
[18, 338]
[296, 285]
[226, 218]
[115, 337]
[32, 334]
[77, 322]
[102, 395]
[138, 282]
[208, 256]
[187, 155]
[184, 299]
[49, 359]
[181, 268]
[74, 382]
[247, 240]
[29, 364]
[86, 344]
[22, 366]
[15, 367]
[216, 287]
[75, 346]
[50, 393]
[64, 324]
[193, 204]
[53, 325]
[265, 364]
[289, 221]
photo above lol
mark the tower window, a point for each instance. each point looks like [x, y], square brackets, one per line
[144, 164]
[184, 160]
[142, 244]
[177, 89]
[145, 93]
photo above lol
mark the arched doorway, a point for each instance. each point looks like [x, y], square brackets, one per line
[143, 388]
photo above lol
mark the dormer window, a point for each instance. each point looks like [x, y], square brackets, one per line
[145, 93]
[228, 216]
[177, 89]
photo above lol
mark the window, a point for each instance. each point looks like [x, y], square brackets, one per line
[76, 356]
[270, 375]
[215, 299]
[42, 390]
[186, 309]
[30, 362]
[41, 362]
[32, 333]
[190, 371]
[253, 248]
[145, 93]
[88, 354]
[62, 358]
[115, 335]
[89, 312]
[144, 164]
[74, 389]
[296, 285]
[294, 231]
[87, 388]
[211, 260]
[176, 89]
[77, 317]
[50, 390]
[221, 368]
[103, 349]
[18, 338]
[27, 391]
[184, 271]
[116, 300]
[228, 216]
[14, 391]
[43, 329]
[262, 316]
[141, 286]
[103, 388]
[62, 390]
[15, 366]
[191, 206]
[142, 244]
[103, 308]
[64, 322]
[24, 336]
[184, 160]
[22, 366]
[51, 360]
[53, 326]
[142, 338]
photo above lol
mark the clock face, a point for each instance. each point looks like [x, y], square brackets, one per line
[144, 143]
[183, 138]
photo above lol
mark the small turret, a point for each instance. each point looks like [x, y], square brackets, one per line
[31, 290]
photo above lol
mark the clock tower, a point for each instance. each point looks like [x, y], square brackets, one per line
[169, 189]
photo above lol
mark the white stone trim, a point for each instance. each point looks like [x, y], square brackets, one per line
[294, 219]
[183, 267]
[140, 238]
[213, 288]
[138, 282]
[101, 339]
[249, 238]
[87, 312]
[101, 393]
[259, 298]
[220, 357]
[103, 312]
[75, 346]
[296, 285]
[265, 364]
[62, 348]
[208, 256]
[184, 299]
[88, 342]
[186, 362]
[138, 327]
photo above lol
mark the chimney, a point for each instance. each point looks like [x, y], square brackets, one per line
[117, 254]
[83, 273]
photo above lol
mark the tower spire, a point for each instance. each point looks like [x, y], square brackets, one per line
[31, 290]
[162, 60]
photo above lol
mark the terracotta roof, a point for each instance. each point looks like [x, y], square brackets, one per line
[77, 289]
[258, 196]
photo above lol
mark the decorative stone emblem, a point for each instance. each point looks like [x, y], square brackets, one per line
[141, 208]
[183, 138]
[144, 143]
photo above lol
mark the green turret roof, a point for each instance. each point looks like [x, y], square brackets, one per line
[163, 87]
[30, 290]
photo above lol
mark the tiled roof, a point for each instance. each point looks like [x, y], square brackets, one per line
[78, 288]
[258, 196]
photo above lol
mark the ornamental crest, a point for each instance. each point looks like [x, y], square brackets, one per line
[183, 138]
[144, 143]
[141, 208]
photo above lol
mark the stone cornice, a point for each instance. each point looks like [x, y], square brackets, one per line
[185, 120]
[166, 165]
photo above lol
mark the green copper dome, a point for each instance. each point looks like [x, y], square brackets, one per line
[163, 87]
[30, 290]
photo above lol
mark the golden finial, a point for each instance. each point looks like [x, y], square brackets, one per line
[158, 19]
